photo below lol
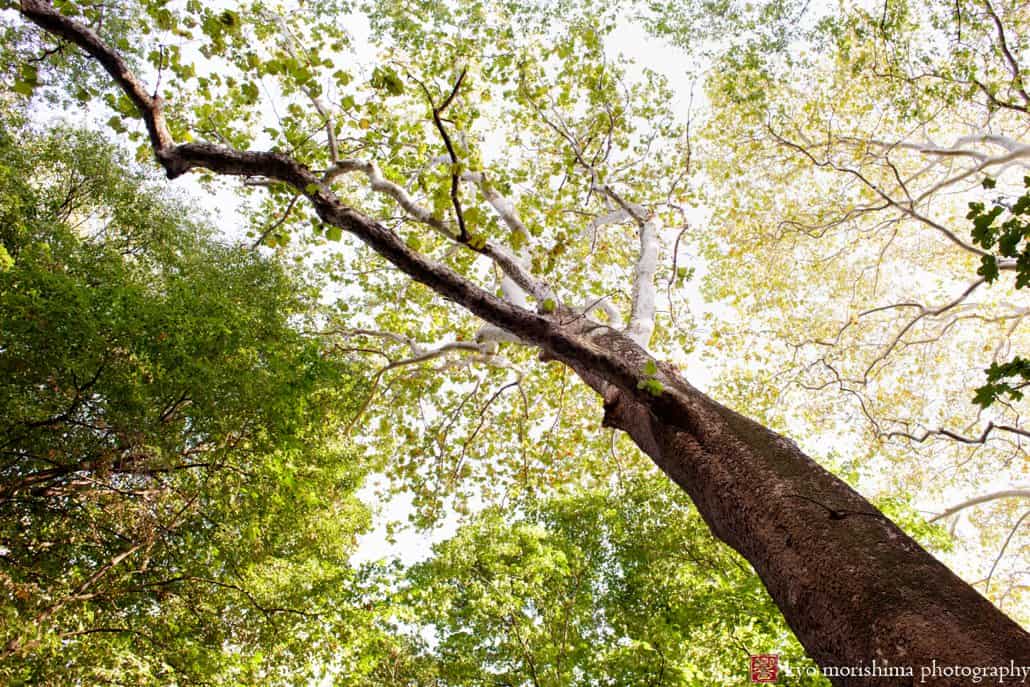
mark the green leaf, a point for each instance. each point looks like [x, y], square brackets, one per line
[651, 386]
[23, 88]
[228, 18]
[385, 78]
[6, 261]
[988, 268]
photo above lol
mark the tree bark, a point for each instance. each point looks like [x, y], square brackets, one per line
[852, 586]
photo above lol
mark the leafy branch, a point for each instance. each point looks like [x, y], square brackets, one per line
[1008, 239]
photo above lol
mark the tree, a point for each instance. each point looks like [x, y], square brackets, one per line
[889, 277]
[850, 583]
[615, 587]
[176, 503]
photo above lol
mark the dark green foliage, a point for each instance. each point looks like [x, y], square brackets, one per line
[175, 504]
[386, 79]
[616, 587]
[1006, 379]
[1006, 240]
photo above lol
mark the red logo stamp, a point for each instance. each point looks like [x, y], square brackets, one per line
[764, 667]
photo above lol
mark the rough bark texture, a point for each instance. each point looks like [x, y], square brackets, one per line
[852, 586]
[850, 583]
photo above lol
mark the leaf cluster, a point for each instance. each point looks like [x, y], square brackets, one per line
[176, 505]
[1007, 240]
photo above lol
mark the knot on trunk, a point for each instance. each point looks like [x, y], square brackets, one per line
[614, 408]
[174, 165]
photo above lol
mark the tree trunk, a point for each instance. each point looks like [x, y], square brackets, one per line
[854, 588]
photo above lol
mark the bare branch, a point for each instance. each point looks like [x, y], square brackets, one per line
[982, 438]
[983, 498]
[484, 353]
[923, 312]
[1005, 546]
[909, 208]
[279, 222]
[455, 176]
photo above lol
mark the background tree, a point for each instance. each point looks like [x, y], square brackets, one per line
[177, 506]
[867, 302]
[580, 590]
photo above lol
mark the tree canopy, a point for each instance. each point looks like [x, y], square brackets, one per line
[582, 591]
[176, 503]
[516, 215]
[179, 507]
[881, 298]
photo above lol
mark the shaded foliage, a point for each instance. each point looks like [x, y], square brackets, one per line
[176, 503]
[620, 586]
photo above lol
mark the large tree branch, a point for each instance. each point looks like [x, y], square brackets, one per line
[179, 159]
[573, 344]
[1020, 153]
[381, 184]
[511, 266]
[956, 149]
[642, 313]
[43, 14]
[642, 310]
[505, 209]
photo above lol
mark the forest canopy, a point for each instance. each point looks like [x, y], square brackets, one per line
[657, 320]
